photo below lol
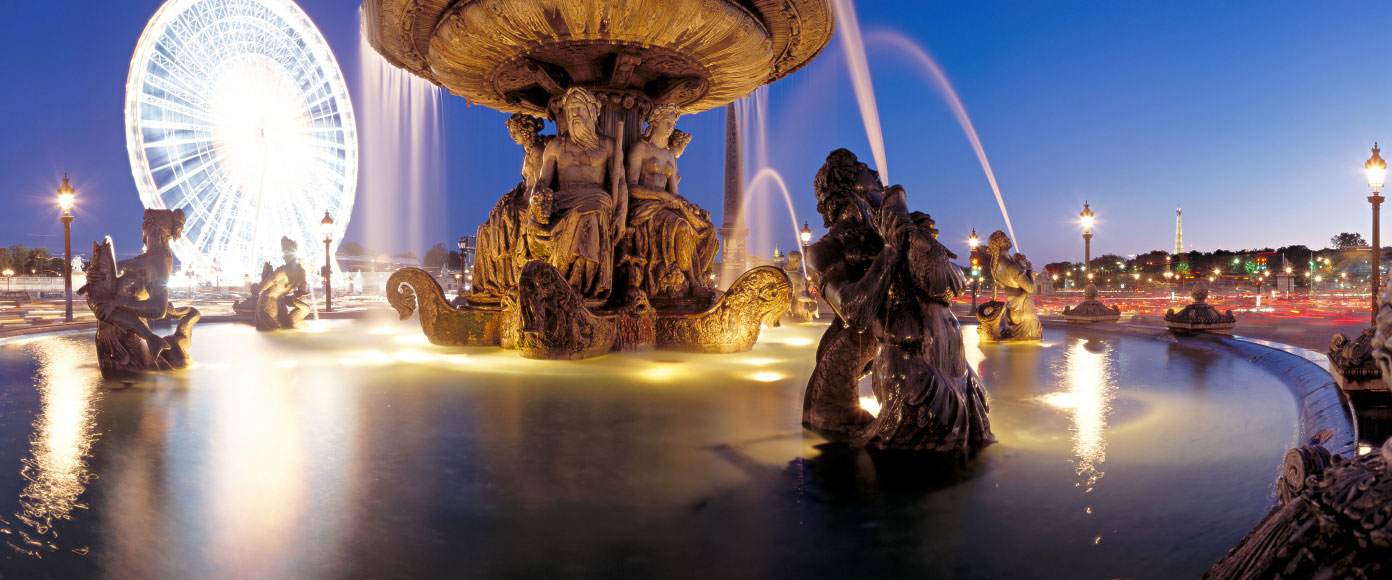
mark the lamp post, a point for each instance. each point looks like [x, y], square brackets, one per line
[1377, 170]
[327, 223]
[8, 274]
[65, 201]
[805, 234]
[1087, 238]
[973, 242]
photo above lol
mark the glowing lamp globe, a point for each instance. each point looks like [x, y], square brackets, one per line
[1086, 216]
[1376, 169]
[65, 195]
[327, 226]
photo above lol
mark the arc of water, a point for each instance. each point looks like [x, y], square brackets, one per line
[770, 174]
[849, 31]
[935, 74]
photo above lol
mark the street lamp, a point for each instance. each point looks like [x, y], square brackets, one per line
[973, 242]
[1087, 236]
[8, 274]
[327, 223]
[1377, 170]
[65, 202]
[805, 234]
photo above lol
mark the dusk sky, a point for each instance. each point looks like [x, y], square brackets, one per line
[1255, 117]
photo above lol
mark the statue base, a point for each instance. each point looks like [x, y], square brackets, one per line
[548, 320]
[993, 325]
[1090, 311]
[1200, 317]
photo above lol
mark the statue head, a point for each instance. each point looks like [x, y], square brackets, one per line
[1090, 292]
[662, 120]
[678, 142]
[161, 225]
[581, 116]
[794, 260]
[842, 182]
[524, 128]
[288, 248]
[999, 243]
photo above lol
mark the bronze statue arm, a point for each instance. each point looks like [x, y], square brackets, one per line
[547, 174]
[152, 307]
[857, 302]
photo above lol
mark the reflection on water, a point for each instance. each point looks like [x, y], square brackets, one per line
[56, 468]
[363, 452]
[1090, 385]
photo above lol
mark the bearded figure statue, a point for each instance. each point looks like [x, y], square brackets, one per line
[670, 251]
[579, 200]
[281, 305]
[497, 261]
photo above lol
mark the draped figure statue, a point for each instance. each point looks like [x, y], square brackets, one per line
[671, 251]
[576, 207]
[499, 255]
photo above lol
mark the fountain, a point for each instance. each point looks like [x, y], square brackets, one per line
[1199, 316]
[1090, 309]
[600, 207]
[359, 447]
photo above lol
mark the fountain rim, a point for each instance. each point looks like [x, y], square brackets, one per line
[402, 31]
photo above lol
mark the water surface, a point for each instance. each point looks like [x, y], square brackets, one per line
[359, 450]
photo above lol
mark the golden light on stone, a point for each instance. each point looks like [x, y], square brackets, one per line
[513, 55]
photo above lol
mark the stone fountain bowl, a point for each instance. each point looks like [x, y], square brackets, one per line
[513, 55]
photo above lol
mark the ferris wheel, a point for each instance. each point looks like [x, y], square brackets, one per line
[237, 113]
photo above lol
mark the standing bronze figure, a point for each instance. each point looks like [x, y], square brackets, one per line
[890, 283]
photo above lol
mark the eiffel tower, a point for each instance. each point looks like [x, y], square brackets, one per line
[1178, 232]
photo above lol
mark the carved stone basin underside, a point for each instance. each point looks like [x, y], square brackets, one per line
[513, 55]
[549, 320]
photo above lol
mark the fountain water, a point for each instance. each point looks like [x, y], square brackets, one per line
[752, 112]
[400, 120]
[905, 46]
[854, 47]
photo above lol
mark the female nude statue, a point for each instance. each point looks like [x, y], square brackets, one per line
[673, 242]
[1017, 320]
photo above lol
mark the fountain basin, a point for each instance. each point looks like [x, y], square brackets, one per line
[359, 449]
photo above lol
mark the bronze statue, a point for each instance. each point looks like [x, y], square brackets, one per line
[1014, 319]
[248, 305]
[890, 283]
[671, 249]
[499, 258]
[125, 302]
[578, 203]
[803, 307]
[280, 304]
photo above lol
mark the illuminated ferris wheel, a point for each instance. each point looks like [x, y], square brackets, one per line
[237, 113]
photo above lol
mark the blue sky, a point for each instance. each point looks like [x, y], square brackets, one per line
[1254, 116]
